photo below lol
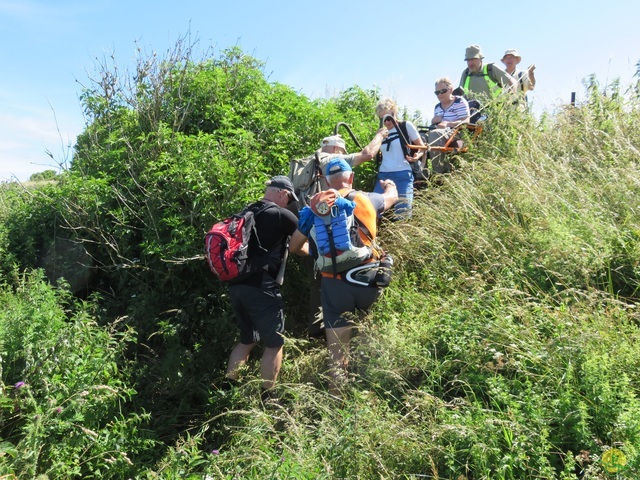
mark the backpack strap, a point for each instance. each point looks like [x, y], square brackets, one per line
[404, 138]
[257, 209]
[521, 79]
[351, 196]
[492, 81]
[401, 130]
[487, 73]
[332, 246]
[375, 248]
[317, 168]
[465, 81]
[268, 254]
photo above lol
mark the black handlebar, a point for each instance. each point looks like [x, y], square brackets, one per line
[353, 137]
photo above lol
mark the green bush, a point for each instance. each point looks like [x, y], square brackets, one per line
[506, 347]
[64, 383]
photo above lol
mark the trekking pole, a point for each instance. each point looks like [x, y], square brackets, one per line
[283, 265]
[379, 152]
[378, 160]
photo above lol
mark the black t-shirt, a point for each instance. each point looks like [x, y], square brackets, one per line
[273, 226]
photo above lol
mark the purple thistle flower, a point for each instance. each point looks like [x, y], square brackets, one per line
[59, 410]
[215, 452]
[19, 385]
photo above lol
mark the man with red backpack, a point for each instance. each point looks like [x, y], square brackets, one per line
[256, 299]
[345, 292]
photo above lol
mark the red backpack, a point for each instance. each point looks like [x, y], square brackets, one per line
[227, 245]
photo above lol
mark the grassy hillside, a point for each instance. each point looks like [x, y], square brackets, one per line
[505, 348]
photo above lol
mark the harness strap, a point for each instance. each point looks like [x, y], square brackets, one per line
[486, 73]
[351, 196]
[401, 133]
[266, 254]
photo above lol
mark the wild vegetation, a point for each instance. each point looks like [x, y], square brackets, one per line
[505, 348]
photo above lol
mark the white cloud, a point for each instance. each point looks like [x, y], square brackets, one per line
[21, 8]
[24, 143]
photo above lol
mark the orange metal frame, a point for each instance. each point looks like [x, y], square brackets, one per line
[452, 144]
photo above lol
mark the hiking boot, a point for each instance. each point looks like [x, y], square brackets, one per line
[316, 326]
[317, 334]
[269, 398]
[228, 384]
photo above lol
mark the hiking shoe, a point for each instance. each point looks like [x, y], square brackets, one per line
[269, 398]
[316, 328]
[317, 334]
[228, 384]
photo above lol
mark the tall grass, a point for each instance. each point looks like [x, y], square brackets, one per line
[505, 348]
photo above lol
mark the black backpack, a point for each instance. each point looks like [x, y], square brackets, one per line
[475, 107]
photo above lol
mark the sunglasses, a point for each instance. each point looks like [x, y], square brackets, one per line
[441, 92]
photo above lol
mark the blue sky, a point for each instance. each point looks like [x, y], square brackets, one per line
[51, 48]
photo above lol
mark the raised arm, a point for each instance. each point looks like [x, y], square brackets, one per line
[390, 193]
[532, 77]
[372, 148]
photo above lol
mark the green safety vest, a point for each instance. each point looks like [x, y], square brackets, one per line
[494, 88]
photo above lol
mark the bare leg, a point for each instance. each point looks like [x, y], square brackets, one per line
[238, 358]
[270, 366]
[338, 344]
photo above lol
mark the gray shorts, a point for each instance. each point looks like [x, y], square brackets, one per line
[342, 302]
[259, 313]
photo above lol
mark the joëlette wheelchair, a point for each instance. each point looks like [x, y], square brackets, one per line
[459, 140]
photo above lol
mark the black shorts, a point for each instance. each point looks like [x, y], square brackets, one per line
[342, 301]
[259, 313]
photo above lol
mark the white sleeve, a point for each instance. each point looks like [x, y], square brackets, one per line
[412, 131]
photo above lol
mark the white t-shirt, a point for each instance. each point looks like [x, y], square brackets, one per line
[392, 156]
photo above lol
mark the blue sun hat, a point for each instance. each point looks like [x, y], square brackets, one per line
[337, 165]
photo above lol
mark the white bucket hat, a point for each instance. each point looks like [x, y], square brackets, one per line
[514, 52]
